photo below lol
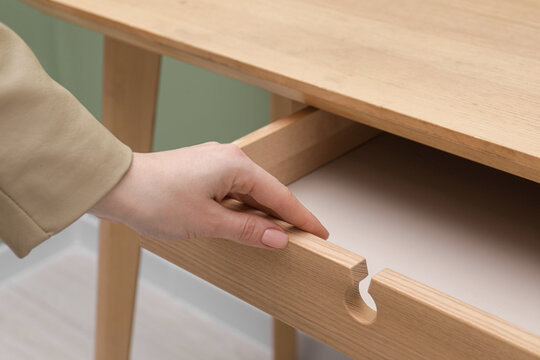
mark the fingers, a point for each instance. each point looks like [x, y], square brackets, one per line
[249, 229]
[269, 193]
[248, 200]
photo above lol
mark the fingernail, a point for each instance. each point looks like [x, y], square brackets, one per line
[275, 238]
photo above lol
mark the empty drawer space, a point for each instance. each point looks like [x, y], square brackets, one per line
[462, 228]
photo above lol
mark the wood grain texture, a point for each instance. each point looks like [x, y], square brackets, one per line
[293, 146]
[464, 229]
[423, 320]
[130, 85]
[457, 76]
[118, 269]
[312, 285]
[281, 107]
[292, 272]
[284, 336]
[284, 343]
[131, 77]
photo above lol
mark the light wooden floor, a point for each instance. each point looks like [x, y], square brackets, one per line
[48, 313]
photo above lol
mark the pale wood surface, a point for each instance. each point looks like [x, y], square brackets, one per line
[313, 285]
[460, 76]
[130, 84]
[47, 313]
[466, 230]
[281, 107]
[119, 253]
[284, 336]
[284, 341]
[291, 147]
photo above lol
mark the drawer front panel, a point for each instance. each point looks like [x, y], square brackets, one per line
[313, 284]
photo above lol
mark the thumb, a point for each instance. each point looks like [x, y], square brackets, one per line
[250, 229]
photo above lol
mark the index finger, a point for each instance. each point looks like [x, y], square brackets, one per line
[266, 190]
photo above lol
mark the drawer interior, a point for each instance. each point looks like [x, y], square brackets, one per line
[467, 230]
[429, 225]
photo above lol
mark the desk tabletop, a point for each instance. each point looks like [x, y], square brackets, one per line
[457, 75]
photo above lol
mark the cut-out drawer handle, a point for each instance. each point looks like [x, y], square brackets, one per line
[313, 286]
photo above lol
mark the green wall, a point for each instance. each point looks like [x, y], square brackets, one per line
[194, 105]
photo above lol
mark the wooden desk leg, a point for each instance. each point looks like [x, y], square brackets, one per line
[284, 341]
[281, 106]
[131, 78]
[284, 335]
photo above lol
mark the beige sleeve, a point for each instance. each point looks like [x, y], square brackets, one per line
[56, 159]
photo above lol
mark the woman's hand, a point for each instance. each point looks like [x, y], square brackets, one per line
[176, 195]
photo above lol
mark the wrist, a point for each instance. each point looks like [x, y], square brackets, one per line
[115, 204]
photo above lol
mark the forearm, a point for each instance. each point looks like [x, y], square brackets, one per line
[56, 160]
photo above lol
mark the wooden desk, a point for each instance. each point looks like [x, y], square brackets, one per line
[463, 77]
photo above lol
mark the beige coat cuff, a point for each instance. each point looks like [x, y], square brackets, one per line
[56, 160]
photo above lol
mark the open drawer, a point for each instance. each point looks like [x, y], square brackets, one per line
[448, 228]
